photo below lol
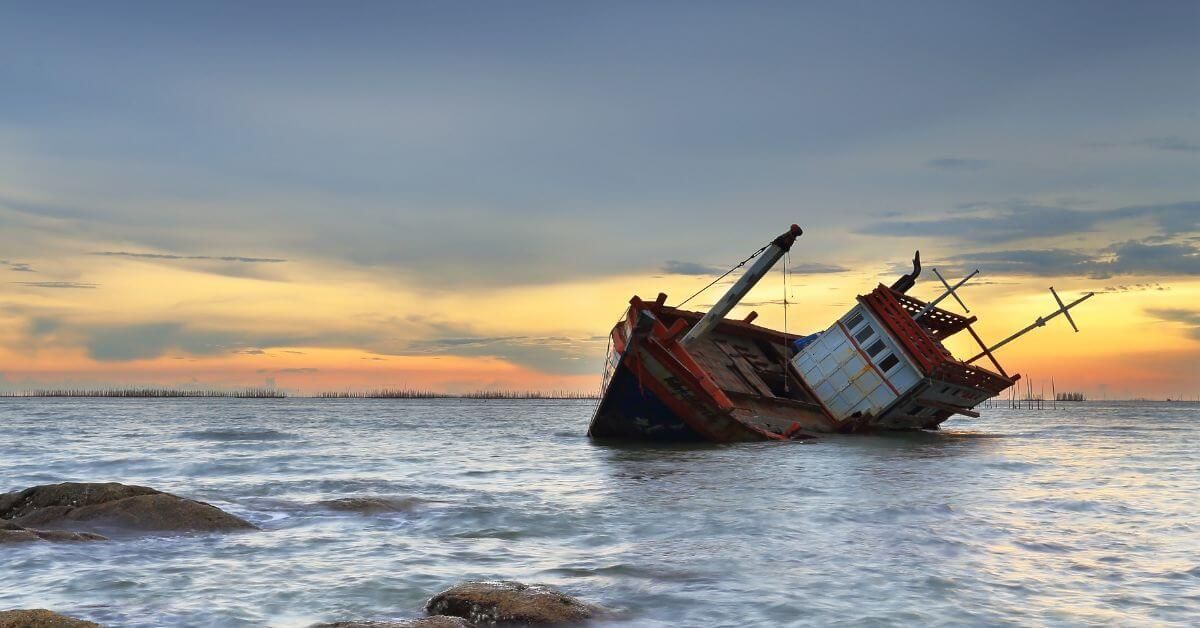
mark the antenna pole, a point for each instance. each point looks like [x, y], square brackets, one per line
[1040, 322]
[949, 291]
[1065, 312]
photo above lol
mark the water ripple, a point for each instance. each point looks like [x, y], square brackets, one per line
[1083, 515]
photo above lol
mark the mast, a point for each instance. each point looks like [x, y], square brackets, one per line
[744, 284]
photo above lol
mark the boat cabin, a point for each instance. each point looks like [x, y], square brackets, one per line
[883, 364]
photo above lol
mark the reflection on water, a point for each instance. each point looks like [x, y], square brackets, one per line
[1084, 514]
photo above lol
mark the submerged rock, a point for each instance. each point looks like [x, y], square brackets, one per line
[510, 602]
[13, 533]
[436, 621]
[41, 618]
[137, 508]
[372, 505]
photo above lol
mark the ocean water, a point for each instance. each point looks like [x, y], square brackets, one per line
[1088, 514]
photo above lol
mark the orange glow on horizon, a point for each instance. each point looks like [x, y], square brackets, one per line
[354, 332]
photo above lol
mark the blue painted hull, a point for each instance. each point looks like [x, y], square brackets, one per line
[628, 410]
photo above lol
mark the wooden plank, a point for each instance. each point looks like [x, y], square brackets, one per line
[714, 361]
[745, 369]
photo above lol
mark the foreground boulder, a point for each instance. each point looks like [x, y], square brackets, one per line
[437, 621]
[504, 602]
[13, 533]
[41, 618]
[135, 508]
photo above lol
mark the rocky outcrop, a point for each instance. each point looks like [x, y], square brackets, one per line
[372, 505]
[437, 621]
[505, 602]
[13, 533]
[113, 505]
[41, 618]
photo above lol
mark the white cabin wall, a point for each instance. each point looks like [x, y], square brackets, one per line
[836, 370]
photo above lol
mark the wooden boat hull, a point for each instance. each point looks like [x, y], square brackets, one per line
[629, 410]
[655, 390]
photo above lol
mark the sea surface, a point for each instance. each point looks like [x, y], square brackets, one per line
[1084, 514]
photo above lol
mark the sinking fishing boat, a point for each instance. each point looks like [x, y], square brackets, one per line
[678, 375]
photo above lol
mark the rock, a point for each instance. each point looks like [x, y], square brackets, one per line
[16, 534]
[436, 621]
[41, 618]
[372, 505]
[510, 602]
[13, 533]
[115, 505]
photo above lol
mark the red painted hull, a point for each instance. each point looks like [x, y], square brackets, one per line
[656, 390]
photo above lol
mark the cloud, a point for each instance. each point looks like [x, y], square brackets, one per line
[1022, 220]
[410, 336]
[676, 267]
[305, 369]
[1123, 258]
[1171, 218]
[548, 354]
[1190, 319]
[151, 340]
[1040, 263]
[141, 341]
[817, 268]
[17, 267]
[1173, 143]
[43, 325]
[1132, 257]
[958, 163]
[57, 284]
[1005, 225]
[172, 256]
[44, 210]
[1137, 287]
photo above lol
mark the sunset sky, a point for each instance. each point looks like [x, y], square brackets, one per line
[463, 196]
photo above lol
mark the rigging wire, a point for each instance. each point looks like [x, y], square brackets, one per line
[606, 375]
[726, 274]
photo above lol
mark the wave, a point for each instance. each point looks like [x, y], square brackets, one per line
[239, 435]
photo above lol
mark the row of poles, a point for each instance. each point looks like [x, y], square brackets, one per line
[1027, 399]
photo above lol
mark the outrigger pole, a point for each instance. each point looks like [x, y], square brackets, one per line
[949, 292]
[744, 284]
[1040, 322]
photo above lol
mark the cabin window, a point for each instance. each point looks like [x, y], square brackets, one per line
[887, 363]
[854, 321]
[866, 332]
[874, 349]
